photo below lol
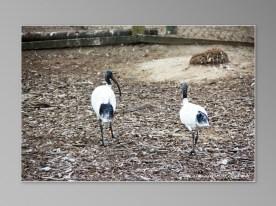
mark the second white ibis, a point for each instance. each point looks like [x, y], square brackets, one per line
[192, 116]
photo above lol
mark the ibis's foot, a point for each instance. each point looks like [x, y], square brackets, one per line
[104, 143]
[192, 153]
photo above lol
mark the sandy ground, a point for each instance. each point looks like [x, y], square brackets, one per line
[60, 134]
[175, 66]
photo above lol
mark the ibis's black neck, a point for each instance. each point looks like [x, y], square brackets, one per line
[108, 80]
[184, 88]
[184, 94]
[108, 77]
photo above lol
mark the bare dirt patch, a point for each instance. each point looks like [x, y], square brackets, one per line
[176, 67]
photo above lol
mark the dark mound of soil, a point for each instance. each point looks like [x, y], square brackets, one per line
[211, 56]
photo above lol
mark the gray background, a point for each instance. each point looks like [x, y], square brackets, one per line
[13, 14]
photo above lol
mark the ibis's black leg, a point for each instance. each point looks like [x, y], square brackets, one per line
[196, 138]
[101, 127]
[111, 130]
[193, 150]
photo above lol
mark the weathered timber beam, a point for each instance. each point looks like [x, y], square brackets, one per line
[188, 41]
[41, 36]
[80, 42]
[117, 40]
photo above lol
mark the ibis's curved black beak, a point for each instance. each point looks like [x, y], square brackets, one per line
[115, 81]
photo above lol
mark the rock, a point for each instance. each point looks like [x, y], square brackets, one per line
[45, 169]
[224, 161]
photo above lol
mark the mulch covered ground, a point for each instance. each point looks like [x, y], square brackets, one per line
[61, 137]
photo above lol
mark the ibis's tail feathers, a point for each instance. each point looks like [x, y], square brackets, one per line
[202, 119]
[106, 112]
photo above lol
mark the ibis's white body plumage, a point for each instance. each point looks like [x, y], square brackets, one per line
[103, 95]
[188, 115]
[103, 101]
[192, 115]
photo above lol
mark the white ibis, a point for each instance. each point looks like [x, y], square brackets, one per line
[192, 116]
[103, 102]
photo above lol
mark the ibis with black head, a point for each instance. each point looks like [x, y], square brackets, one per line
[103, 102]
[193, 116]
